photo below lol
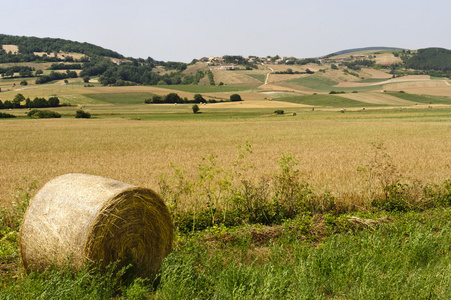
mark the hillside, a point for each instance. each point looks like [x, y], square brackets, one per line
[347, 51]
[45, 65]
[27, 46]
[437, 59]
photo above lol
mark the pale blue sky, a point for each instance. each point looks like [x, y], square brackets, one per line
[176, 30]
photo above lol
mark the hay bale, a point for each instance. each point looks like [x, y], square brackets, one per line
[79, 218]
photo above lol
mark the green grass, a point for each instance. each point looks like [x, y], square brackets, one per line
[315, 82]
[29, 79]
[407, 258]
[373, 80]
[259, 77]
[205, 88]
[120, 98]
[320, 83]
[325, 100]
[425, 99]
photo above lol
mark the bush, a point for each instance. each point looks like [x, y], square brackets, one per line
[279, 112]
[235, 97]
[23, 82]
[336, 92]
[195, 108]
[43, 114]
[6, 116]
[172, 98]
[82, 114]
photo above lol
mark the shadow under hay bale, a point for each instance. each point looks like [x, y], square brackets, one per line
[80, 218]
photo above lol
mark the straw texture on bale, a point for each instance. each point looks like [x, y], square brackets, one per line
[77, 218]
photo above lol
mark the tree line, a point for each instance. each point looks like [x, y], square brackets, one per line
[174, 98]
[437, 59]
[24, 71]
[37, 102]
[28, 45]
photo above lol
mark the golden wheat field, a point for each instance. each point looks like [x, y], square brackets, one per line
[330, 149]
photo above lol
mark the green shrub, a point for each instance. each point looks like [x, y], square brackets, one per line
[43, 114]
[195, 108]
[82, 114]
[235, 97]
[279, 112]
[6, 116]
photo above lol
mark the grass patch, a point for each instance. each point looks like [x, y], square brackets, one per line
[120, 98]
[406, 257]
[325, 100]
[373, 80]
[425, 99]
[259, 77]
[204, 88]
[29, 79]
[316, 82]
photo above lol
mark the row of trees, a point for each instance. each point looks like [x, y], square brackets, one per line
[56, 76]
[290, 71]
[28, 45]
[173, 98]
[35, 103]
[359, 63]
[24, 71]
[62, 66]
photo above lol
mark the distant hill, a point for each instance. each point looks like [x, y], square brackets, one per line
[29, 45]
[438, 59]
[364, 49]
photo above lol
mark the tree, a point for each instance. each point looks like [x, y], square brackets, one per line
[157, 99]
[172, 98]
[235, 97]
[86, 78]
[54, 101]
[195, 108]
[199, 99]
[38, 72]
[17, 99]
[7, 104]
[24, 82]
[9, 73]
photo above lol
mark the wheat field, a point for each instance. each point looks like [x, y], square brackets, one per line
[330, 149]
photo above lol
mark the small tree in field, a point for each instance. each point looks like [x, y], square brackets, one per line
[80, 114]
[235, 97]
[195, 108]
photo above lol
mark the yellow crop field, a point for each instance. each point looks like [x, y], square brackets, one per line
[378, 98]
[13, 48]
[330, 148]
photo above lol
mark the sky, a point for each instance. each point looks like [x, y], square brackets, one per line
[182, 30]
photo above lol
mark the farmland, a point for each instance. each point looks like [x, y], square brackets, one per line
[341, 195]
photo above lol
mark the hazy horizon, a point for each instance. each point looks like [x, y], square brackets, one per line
[176, 30]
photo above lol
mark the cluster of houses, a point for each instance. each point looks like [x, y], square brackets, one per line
[213, 60]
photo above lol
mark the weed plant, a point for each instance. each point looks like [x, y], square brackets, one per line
[232, 197]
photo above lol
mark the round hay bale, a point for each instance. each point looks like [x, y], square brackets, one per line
[78, 218]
